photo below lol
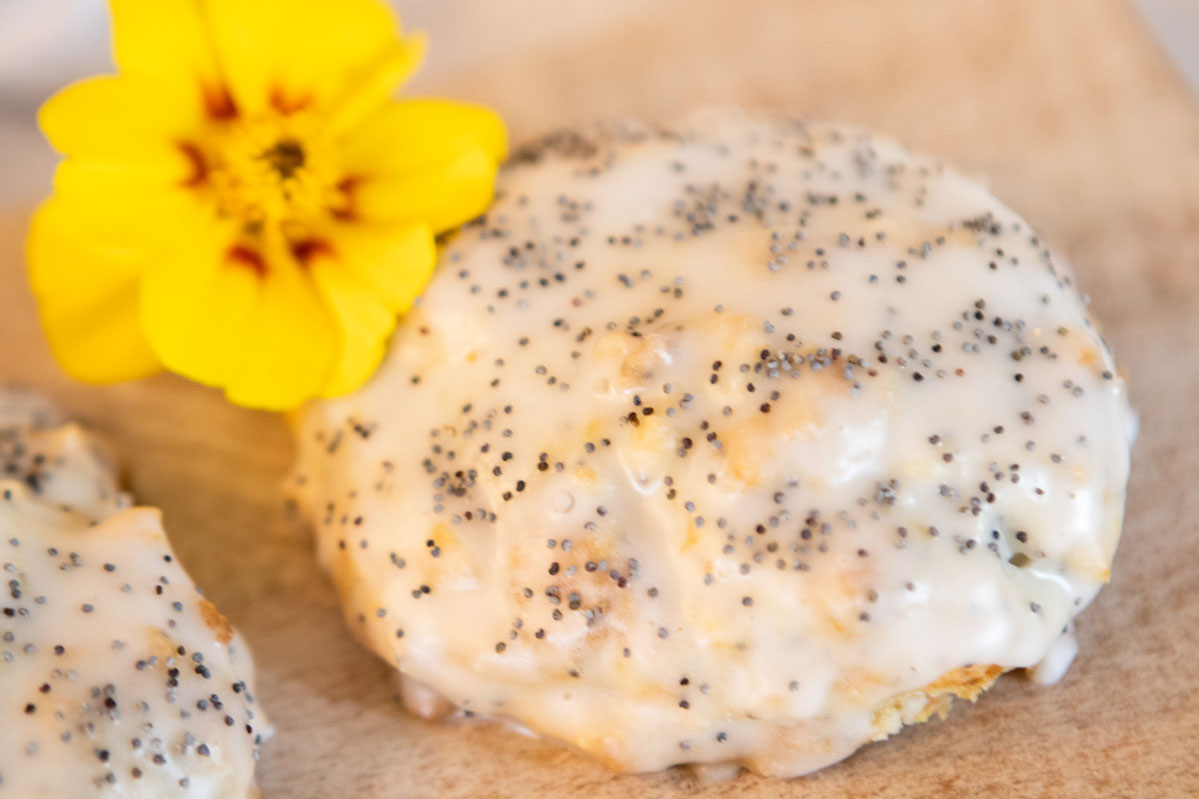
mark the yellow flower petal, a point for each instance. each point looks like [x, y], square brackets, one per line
[87, 249]
[365, 325]
[87, 297]
[418, 134]
[378, 82]
[395, 261]
[108, 182]
[123, 117]
[441, 196]
[306, 53]
[138, 210]
[367, 276]
[266, 338]
[168, 40]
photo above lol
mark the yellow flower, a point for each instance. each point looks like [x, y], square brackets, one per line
[242, 203]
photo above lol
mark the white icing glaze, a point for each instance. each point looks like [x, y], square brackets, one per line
[119, 679]
[552, 504]
[1053, 667]
[55, 459]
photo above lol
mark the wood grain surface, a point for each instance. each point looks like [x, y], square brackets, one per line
[1073, 116]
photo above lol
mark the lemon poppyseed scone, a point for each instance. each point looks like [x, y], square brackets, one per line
[118, 678]
[746, 443]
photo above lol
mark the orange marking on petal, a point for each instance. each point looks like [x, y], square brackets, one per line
[307, 249]
[288, 105]
[242, 255]
[218, 103]
[199, 166]
[347, 187]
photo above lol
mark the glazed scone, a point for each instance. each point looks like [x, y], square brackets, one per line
[119, 679]
[55, 460]
[745, 443]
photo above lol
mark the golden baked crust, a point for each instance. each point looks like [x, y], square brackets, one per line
[967, 682]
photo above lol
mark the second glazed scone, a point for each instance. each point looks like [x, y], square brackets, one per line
[118, 679]
[741, 444]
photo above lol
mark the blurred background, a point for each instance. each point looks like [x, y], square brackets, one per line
[45, 44]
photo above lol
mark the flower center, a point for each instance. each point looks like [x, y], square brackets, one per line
[276, 169]
[286, 157]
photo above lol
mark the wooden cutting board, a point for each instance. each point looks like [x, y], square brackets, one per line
[1070, 111]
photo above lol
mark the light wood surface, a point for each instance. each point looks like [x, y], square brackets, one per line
[1074, 117]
